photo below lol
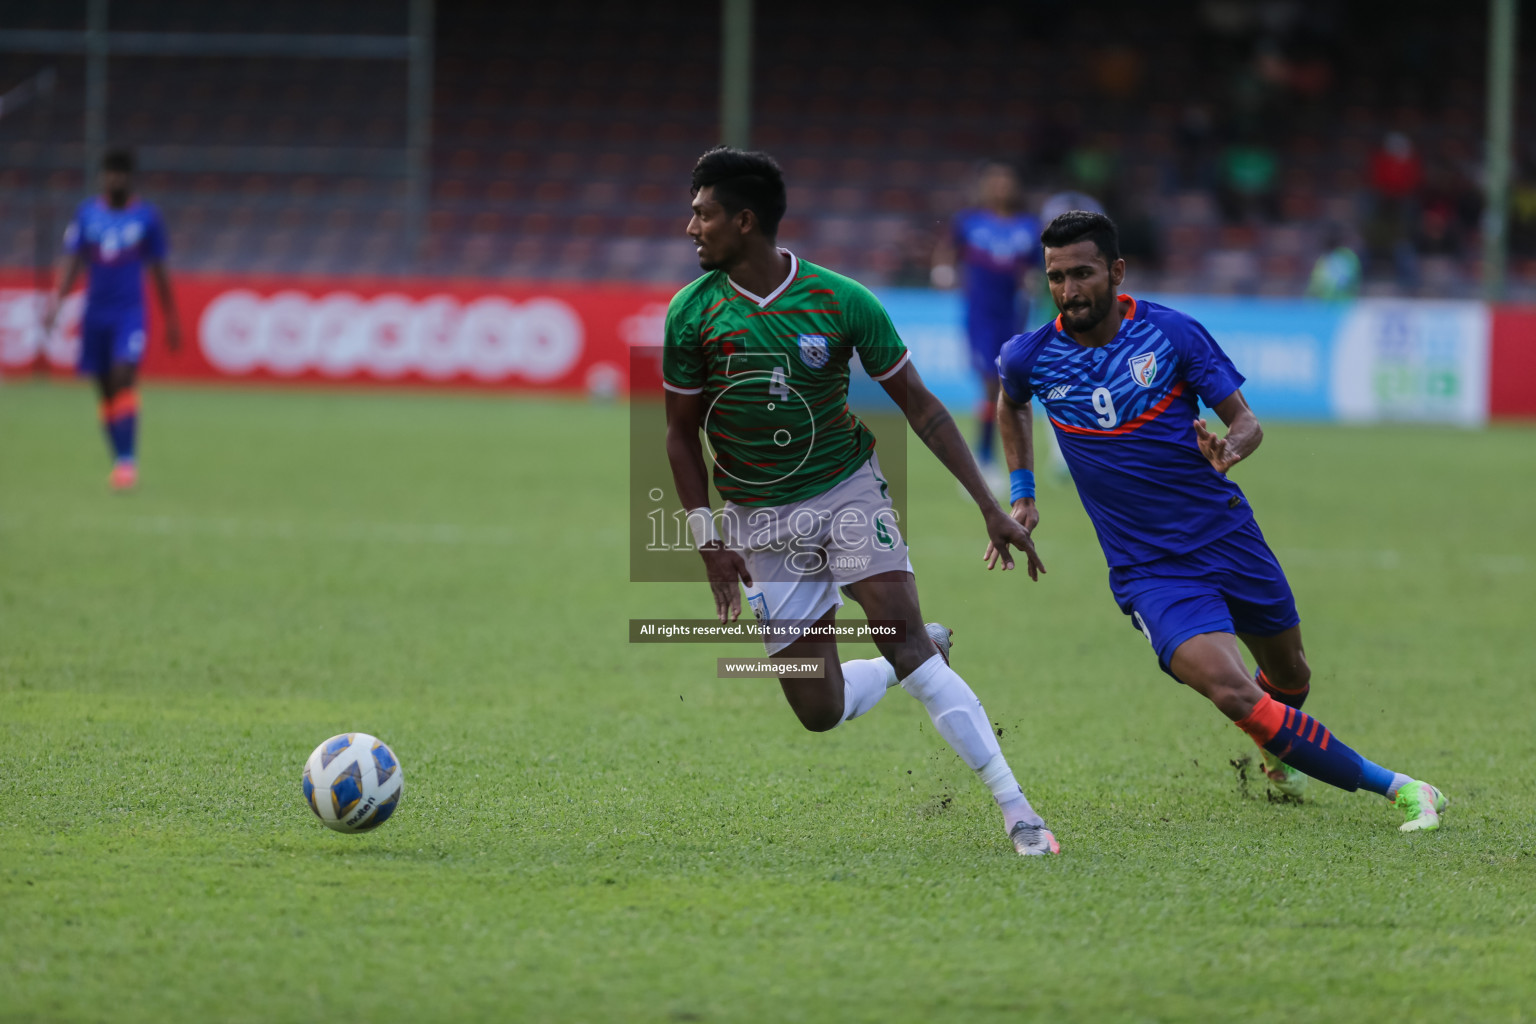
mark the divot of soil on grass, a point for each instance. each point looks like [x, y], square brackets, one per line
[1241, 765]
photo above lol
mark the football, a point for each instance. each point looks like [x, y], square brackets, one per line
[353, 782]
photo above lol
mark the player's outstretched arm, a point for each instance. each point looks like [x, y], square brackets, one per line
[1243, 433]
[935, 427]
[1016, 430]
[685, 414]
[162, 281]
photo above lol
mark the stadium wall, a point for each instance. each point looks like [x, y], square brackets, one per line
[1367, 361]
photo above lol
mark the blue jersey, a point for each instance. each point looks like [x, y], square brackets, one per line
[115, 244]
[994, 251]
[1125, 416]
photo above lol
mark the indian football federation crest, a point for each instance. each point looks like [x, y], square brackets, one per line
[814, 351]
[1144, 368]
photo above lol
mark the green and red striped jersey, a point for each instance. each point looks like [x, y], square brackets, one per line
[773, 371]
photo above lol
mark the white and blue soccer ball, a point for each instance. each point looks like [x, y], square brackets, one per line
[353, 782]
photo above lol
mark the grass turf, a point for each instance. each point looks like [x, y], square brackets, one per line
[598, 831]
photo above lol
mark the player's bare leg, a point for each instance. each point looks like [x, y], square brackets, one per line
[818, 703]
[1284, 674]
[992, 469]
[846, 691]
[956, 711]
[1212, 665]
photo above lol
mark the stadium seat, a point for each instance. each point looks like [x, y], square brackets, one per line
[537, 111]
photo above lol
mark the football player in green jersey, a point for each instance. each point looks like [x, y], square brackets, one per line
[756, 359]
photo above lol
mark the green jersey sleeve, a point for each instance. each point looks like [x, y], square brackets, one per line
[682, 357]
[872, 334]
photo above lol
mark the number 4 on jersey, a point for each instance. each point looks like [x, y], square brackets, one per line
[778, 384]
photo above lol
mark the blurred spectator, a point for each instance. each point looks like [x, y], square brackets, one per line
[1091, 166]
[1439, 229]
[1140, 237]
[1056, 135]
[1396, 170]
[1336, 274]
[1249, 172]
[1396, 176]
[1522, 218]
[1195, 136]
[1117, 72]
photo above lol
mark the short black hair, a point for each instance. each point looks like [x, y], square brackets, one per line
[744, 181]
[1080, 225]
[118, 158]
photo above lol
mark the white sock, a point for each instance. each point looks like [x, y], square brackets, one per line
[864, 683]
[962, 721]
[1399, 780]
[998, 777]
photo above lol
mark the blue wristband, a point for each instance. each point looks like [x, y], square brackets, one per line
[1021, 484]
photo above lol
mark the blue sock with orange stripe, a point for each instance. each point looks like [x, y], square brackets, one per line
[120, 415]
[1303, 742]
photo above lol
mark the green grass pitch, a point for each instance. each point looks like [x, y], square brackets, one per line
[594, 831]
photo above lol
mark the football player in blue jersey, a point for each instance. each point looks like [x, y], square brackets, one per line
[1121, 380]
[117, 237]
[995, 245]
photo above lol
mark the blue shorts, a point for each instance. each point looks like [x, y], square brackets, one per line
[110, 341]
[987, 335]
[1232, 585]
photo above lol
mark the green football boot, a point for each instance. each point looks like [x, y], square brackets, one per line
[1288, 781]
[1422, 804]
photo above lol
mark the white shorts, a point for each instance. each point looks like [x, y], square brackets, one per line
[800, 553]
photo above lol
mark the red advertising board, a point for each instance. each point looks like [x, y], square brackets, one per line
[464, 334]
[1512, 363]
[449, 333]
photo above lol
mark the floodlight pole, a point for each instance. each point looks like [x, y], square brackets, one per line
[42, 199]
[1501, 110]
[95, 87]
[736, 73]
[418, 114]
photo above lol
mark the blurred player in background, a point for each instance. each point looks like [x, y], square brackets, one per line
[994, 245]
[116, 236]
[756, 356]
[1121, 381]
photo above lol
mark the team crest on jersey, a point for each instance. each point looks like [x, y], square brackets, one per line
[1144, 368]
[759, 605]
[814, 351]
